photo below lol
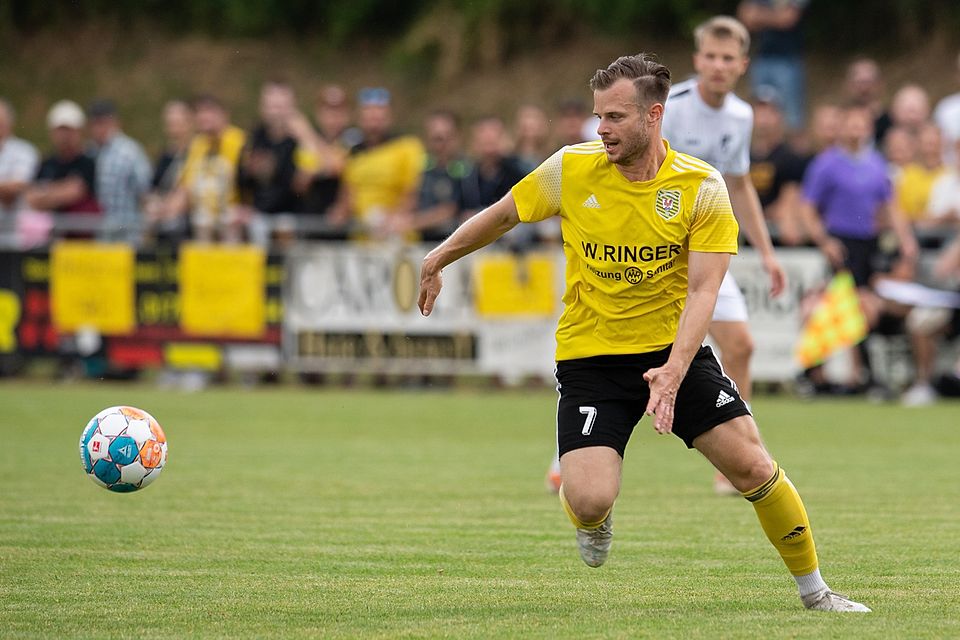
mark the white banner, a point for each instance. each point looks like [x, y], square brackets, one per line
[353, 307]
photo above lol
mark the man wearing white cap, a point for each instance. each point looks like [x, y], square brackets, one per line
[65, 181]
[123, 174]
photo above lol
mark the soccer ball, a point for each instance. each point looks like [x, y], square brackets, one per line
[123, 449]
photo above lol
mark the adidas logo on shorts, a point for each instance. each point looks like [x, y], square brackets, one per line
[724, 398]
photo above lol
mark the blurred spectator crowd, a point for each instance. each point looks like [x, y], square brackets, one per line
[865, 178]
[346, 172]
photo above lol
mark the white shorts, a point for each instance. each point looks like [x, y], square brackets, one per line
[731, 305]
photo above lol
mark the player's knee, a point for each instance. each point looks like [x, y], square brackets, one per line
[591, 505]
[741, 349]
[753, 472]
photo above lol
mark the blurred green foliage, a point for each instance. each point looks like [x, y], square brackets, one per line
[843, 26]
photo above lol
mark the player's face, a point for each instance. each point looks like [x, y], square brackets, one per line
[719, 63]
[622, 126]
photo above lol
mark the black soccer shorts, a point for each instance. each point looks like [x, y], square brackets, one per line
[602, 399]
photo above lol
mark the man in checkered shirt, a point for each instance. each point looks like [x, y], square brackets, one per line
[122, 177]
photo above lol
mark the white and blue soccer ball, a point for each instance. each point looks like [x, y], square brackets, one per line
[123, 449]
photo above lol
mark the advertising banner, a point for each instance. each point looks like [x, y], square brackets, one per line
[354, 307]
[92, 287]
[222, 290]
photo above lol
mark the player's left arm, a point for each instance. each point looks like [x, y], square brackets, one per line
[705, 272]
[749, 213]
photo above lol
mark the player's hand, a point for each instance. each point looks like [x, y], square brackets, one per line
[431, 282]
[664, 383]
[778, 277]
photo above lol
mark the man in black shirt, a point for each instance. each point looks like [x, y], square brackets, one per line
[776, 170]
[494, 172]
[65, 179]
[493, 175]
[267, 169]
[439, 194]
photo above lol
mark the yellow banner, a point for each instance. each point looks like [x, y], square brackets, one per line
[9, 317]
[91, 287]
[222, 291]
[187, 355]
[508, 286]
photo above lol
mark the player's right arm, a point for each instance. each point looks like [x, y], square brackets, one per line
[475, 233]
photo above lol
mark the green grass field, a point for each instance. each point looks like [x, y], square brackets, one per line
[288, 513]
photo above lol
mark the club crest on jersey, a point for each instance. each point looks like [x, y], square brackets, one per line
[668, 203]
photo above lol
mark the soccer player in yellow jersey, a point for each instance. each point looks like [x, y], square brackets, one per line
[647, 234]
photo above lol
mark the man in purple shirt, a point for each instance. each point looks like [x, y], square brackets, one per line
[848, 201]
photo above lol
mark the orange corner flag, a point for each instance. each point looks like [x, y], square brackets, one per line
[837, 322]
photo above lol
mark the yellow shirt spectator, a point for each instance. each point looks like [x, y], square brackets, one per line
[913, 190]
[380, 178]
[210, 171]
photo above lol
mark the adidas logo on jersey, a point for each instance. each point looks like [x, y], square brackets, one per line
[724, 398]
[591, 202]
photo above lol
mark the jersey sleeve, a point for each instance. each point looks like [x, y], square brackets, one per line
[713, 227]
[538, 195]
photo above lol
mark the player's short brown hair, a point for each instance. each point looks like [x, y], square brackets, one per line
[651, 79]
[723, 27]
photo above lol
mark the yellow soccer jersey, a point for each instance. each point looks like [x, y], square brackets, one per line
[380, 177]
[626, 244]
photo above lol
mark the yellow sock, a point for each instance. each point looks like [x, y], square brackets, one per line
[784, 520]
[577, 522]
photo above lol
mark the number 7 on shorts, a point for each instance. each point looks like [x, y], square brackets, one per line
[591, 413]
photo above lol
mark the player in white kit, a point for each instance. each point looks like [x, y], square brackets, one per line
[704, 118]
